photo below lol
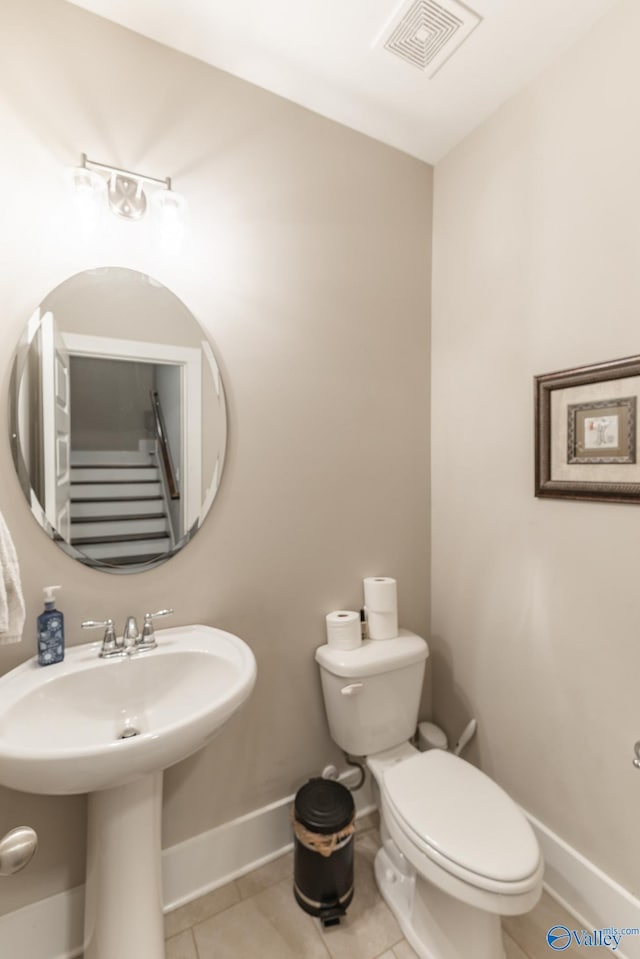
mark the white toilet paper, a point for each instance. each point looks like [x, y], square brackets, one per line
[382, 625]
[343, 629]
[381, 602]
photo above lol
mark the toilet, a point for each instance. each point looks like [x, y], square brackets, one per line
[457, 853]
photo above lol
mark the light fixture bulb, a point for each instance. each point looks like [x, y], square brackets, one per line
[85, 180]
[172, 207]
[171, 204]
[89, 190]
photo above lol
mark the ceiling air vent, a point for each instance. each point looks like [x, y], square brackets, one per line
[427, 32]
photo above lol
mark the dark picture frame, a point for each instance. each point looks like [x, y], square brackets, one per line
[586, 432]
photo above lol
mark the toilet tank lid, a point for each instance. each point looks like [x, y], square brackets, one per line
[374, 655]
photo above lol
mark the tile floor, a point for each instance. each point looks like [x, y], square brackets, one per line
[256, 917]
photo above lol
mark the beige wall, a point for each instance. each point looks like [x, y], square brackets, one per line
[536, 615]
[307, 260]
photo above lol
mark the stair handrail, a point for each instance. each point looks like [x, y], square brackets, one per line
[165, 452]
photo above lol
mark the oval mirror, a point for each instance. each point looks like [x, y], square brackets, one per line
[118, 420]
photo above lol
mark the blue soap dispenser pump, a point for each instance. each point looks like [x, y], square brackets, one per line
[50, 630]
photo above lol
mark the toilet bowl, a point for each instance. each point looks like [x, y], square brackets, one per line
[457, 853]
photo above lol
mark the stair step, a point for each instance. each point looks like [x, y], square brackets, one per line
[104, 491]
[137, 551]
[107, 457]
[105, 530]
[114, 474]
[117, 508]
[105, 520]
[135, 559]
[117, 539]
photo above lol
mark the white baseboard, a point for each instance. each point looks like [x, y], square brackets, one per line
[49, 929]
[53, 927]
[596, 900]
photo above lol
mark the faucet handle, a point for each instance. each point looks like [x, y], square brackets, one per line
[109, 643]
[147, 637]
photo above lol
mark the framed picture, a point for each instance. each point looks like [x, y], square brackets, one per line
[586, 426]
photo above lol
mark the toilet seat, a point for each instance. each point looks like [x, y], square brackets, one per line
[462, 821]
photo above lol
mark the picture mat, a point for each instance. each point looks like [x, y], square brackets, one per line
[560, 399]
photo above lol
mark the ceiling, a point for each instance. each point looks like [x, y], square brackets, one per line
[329, 55]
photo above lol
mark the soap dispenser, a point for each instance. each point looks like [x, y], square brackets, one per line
[50, 630]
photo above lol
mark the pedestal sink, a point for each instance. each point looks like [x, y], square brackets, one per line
[109, 727]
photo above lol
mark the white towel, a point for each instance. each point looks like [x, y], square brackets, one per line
[11, 599]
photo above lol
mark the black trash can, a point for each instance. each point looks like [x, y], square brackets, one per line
[323, 823]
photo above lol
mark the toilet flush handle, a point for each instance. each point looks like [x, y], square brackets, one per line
[352, 689]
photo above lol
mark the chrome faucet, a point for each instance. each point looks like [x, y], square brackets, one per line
[132, 640]
[130, 634]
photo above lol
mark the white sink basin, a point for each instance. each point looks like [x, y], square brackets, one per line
[60, 725]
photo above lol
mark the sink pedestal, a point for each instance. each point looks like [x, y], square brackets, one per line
[123, 905]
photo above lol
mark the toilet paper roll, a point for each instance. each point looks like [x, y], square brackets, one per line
[381, 594]
[343, 629]
[382, 625]
[381, 602]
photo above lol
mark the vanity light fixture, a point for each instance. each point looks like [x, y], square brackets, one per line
[125, 194]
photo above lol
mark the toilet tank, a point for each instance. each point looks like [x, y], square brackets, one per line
[372, 693]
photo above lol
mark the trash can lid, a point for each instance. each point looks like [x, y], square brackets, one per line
[324, 806]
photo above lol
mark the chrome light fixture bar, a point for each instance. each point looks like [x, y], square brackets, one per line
[124, 188]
